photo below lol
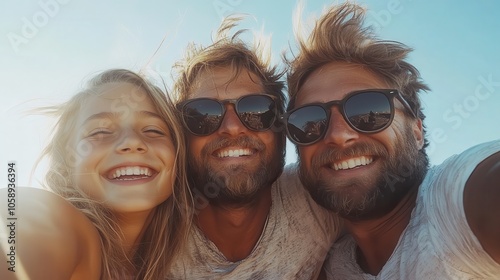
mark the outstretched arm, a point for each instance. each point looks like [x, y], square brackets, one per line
[51, 239]
[482, 204]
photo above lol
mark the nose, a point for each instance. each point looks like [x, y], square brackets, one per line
[231, 124]
[339, 133]
[131, 142]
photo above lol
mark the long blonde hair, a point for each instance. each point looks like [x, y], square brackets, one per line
[165, 234]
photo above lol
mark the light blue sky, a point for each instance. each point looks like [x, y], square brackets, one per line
[48, 47]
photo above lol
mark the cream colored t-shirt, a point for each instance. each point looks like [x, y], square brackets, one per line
[293, 244]
[438, 242]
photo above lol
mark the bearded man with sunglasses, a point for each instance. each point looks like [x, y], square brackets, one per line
[250, 222]
[355, 116]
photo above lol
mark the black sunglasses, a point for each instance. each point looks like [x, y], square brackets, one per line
[366, 111]
[203, 116]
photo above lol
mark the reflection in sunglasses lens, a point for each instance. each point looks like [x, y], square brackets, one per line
[202, 116]
[256, 111]
[365, 112]
[307, 124]
[368, 111]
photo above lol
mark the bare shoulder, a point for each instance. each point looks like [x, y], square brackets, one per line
[482, 204]
[47, 237]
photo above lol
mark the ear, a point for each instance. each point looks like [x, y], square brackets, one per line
[418, 132]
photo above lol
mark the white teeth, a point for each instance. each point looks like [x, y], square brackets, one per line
[131, 170]
[234, 153]
[345, 165]
[352, 163]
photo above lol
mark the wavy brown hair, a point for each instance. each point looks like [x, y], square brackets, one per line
[340, 35]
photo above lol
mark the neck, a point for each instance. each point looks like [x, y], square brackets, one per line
[377, 238]
[235, 230]
[132, 226]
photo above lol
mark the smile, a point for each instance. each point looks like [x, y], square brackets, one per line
[130, 173]
[351, 163]
[234, 153]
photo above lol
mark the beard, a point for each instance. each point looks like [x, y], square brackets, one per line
[236, 184]
[363, 198]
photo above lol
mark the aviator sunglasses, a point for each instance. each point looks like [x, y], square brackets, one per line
[366, 111]
[203, 116]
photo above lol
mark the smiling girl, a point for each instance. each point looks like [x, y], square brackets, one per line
[117, 156]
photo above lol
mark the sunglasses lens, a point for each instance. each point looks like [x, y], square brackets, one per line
[368, 111]
[307, 124]
[202, 117]
[257, 112]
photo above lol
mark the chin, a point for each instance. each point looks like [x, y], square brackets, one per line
[132, 207]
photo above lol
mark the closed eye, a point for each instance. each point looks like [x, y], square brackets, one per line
[100, 132]
[154, 132]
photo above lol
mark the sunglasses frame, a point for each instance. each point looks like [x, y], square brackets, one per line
[223, 104]
[389, 94]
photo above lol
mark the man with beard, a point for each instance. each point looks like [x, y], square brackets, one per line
[356, 118]
[250, 222]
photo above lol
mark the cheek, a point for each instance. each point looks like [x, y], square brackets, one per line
[165, 187]
[167, 155]
[195, 145]
[87, 182]
[85, 155]
[85, 159]
[390, 136]
[269, 139]
[306, 155]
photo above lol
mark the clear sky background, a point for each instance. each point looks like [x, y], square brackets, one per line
[49, 47]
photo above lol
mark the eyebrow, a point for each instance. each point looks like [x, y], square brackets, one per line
[112, 115]
[150, 114]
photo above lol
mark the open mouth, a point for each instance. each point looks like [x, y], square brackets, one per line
[234, 153]
[128, 173]
[352, 163]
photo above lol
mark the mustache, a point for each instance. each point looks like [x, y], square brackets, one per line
[242, 141]
[358, 149]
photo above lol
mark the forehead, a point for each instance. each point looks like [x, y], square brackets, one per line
[120, 98]
[335, 80]
[221, 83]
